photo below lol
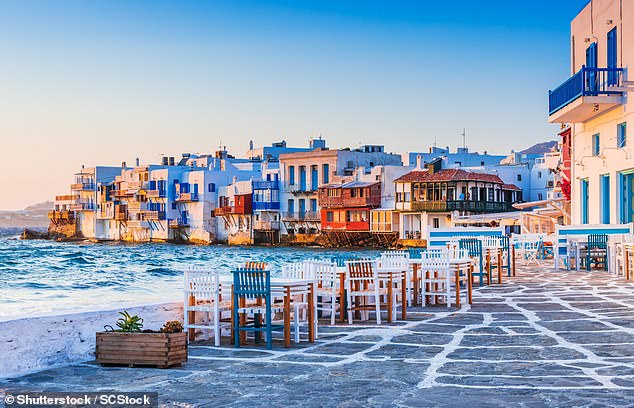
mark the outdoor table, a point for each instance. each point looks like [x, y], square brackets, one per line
[628, 251]
[575, 246]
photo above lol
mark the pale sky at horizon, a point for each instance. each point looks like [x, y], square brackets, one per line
[102, 82]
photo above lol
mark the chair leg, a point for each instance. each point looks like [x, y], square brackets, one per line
[349, 307]
[296, 323]
[236, 329]
[378, 308]
[216, 326]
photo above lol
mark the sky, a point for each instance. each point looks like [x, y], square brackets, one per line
[101, 82]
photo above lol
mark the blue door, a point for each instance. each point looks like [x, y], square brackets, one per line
[302, 207]
[591, 62]
[612, 57]
[628, 198]
[605, 199]
[302, 178]
[584, 201]
[314, 181]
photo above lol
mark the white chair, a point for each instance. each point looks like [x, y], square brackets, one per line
[364, 286]
[398, 261]
[203, 293]
[436, 275]
[299, 303]
[327, 290]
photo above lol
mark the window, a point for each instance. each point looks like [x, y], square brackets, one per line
[621, 134]
[519, 177]
[173, 206]
[325, 173]
[329, 216]
[211, 187]
[596, 145]
[539, 174]
[540, 196]
[291, 175]
[436, 223]
[612, 57]
[481, 163]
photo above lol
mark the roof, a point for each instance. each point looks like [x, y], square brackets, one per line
[510, 187]
[352, 184]
[449, 175]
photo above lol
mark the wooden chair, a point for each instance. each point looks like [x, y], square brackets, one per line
[203, 293]
[363, 285]
[597, 251]
[436, 276]
[474, 248]
[255, 265]
[254, 285]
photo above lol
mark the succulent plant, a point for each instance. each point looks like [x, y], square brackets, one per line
[173, 326]
[129, 324]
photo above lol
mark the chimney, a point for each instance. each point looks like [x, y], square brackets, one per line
[123, 165]
[138, 162]
[251, 145]
[419, 162]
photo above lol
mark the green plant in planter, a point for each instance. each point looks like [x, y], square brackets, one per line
[173, 326]
[129, 324]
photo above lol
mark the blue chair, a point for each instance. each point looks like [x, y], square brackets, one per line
[474, 247]
[415, 253]
[597, 251]
[340, 260]
[253, 285]
[506, 246]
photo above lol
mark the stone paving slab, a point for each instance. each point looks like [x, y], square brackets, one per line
[544, 338]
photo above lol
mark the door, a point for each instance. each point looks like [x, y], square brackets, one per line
[591, 64]
[605, 199]
[302, 207]
[628, 198]
[302, 178]
[584, 201]
[314, 181]
[612, 57]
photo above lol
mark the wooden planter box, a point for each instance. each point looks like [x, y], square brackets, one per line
[142, 349]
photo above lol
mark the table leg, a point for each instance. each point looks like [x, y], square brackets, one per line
[627, 264]
[342, 298]
[404, 295]
[191, 318]
[287, 318]
[243, 321]
[500, 267]
[470, 284]
[488, 262]
[415, 285]
[427, 288]
[390, 288]
[513, 259]
[311, 314]
[457, 287]
[436, 299]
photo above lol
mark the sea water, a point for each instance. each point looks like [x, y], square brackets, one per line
[39, 277]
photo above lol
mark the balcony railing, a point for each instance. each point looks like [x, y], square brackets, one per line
[82, 186]
[587, 82]
[179, 222]
[156, 193]
[461, 205]
[82, 206]
[61, 215]
[264, 205]
[154, 215]
[187, 197]
[266, 225]
[266, 185]
[302, 216]
[68, 197]
[138, 224]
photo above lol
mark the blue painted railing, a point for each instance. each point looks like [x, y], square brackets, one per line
[586, 82]
[266, 205]
[266, 185]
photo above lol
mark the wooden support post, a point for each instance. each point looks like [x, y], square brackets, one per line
[311, 313]
[500, 267]
[287, 317]
[390, 288]
[191, 318]
[404, 296]
[457, 273]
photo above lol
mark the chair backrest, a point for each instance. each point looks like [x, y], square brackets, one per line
[202, 283]
[340, 260]
[255, 265]
[395, 259]
[296, 270]
[415, 253]
[435, 260]
[251, 283]
[361, 270]
[440, 237]
[456, 253]
[597, 241]
[325, 273]
[472, 245]
[564, 232]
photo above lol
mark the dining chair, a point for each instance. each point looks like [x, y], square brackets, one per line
[398, 261]
[597, 251]
[254, 285]
[363, 287]
[255, 265]
[436, 276]
[299, 303]
[474, 248]
[327, 287]
[203, 293]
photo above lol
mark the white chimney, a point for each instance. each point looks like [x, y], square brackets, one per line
[419, 162]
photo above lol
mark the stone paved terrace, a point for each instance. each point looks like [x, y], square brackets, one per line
[544, 338]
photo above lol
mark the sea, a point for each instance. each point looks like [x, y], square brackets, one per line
[41, 277]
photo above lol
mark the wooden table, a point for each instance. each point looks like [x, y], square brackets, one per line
[390, 277]
[287, 288]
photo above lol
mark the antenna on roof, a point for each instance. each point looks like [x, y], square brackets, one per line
[435, 140]
[464, 137]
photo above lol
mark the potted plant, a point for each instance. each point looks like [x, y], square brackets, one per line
[131, 345]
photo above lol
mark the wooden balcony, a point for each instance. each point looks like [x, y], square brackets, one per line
[178, 223]
[61, 215]
[266, 225]
[88, 186]
[187, 197]
[313, 216]
[68, 197]
[138, 224]
[459, 205]
[156, 193]
[154, 215]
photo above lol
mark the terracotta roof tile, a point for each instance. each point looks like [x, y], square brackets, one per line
[449, 175]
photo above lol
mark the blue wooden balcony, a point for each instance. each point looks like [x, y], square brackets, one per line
[266, 205]
[266, 185]
[588, 93]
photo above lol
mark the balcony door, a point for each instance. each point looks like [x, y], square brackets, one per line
[591, 62]
[628, 198]
[302, 207]
[612, 57]
[302, 178]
